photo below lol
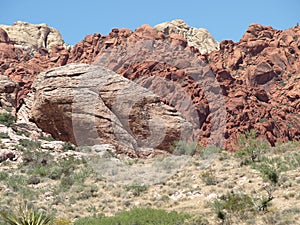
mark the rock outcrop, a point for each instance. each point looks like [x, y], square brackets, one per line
[199, 38]
[91, 105]
[258, 77]
[3, 36]
[8, 93]
[31, 37]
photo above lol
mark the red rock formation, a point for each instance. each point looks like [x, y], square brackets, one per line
[264, 70]
[258, 76]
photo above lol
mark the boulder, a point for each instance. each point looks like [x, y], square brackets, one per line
[90, 105]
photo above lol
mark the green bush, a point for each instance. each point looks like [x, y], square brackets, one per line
[208, 177]
[136, 189]
[233, 204]
[7, 119]
[4, 135]
[251, 148]
[67, 146]
[29, 144]
[138, 216]
[268, 171]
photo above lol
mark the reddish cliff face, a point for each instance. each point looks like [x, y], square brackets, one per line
[258, 77]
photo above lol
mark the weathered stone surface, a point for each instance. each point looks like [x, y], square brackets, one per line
[264, 93]
[198, 38]
[258, 76]
[3, 36]
[91, 105]
[8, 93]
[31, 37]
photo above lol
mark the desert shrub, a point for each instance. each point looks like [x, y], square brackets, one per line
[209, 151]
[233, 204]
[196, 220]
[136, 189]
[268, 171]
[36, 162]
[208, 177]
[138, 216]
[3, 175]
[29, 144]
[16, 182]
[88, 192]
[26, 215]
[251, 148]
[4, 135]
[67, 146]
[184, 148]
[7, 119]
[292, 160]
[62, 221]
[33, 180]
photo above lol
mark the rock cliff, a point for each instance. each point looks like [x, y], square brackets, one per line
[250, 84]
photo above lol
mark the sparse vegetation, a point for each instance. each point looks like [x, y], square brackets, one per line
[66, 185]
[67, 146]
[138, 216]
[136, 189]
[4, 135]
[233, 205]
[251, 148]
[209, 177]
[7, 119]
[184, 148]
[29, 144]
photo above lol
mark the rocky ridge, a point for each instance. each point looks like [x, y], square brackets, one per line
[31, 37]
[257, 76]
[199, 38]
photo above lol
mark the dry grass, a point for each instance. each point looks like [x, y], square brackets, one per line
[73, 188]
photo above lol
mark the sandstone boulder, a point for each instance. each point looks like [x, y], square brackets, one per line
[90, 105]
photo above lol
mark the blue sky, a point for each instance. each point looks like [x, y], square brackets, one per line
[224, 19]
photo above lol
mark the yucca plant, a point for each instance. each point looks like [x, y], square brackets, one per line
[26, 216]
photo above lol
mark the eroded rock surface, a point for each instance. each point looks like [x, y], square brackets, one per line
[91, 105]
[199, 38]
[258, 76]
[31, 37]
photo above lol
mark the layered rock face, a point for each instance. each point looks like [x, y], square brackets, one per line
[91, 105]
[32, 37]
[260, 78]
[199, 38]
[251, 84]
